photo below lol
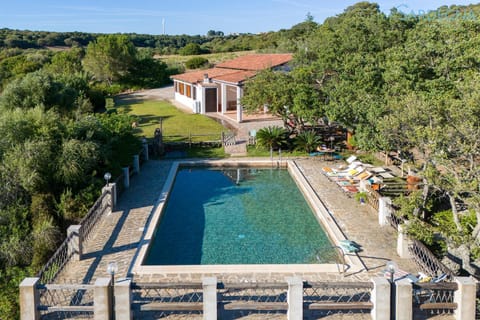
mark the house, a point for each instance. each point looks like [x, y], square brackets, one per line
[219, 89]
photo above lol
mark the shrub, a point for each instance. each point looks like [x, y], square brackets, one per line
[307, 141]
[196, 63]
[272, 138]
[190, 49]
[97, 99]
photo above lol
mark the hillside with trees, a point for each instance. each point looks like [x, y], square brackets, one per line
[57, 141]
[399, 81]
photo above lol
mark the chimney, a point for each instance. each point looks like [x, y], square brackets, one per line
[206, 79]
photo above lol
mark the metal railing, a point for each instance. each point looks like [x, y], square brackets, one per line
[372, 197]
[210, 139]
[119, 184]
[434, 298]
[244, 299]
[427, 261]
[103, 203]
[228, 139]
[324, 298]
[66, 301]
[56, 263]
[235, 300]
[421, 255]
[156, 300]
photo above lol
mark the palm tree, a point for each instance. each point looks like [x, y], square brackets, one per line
[272, 138]
[308, 141]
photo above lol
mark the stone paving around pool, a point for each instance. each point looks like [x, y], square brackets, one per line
[118, 234]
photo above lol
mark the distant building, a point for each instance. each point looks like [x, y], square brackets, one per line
[219, 89]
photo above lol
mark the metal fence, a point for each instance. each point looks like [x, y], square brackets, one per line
[88, 223]
[66, 301]
[427, 261]
[56, 263]
[373, 197]
[434, 298]
[207, 139]
[156, 300]
[325, 298]
[421, 255]
[62, 255]
[236, 300]
[228, 139]
[244, 299]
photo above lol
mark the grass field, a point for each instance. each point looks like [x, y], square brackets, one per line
[174, 122]
[213, 58]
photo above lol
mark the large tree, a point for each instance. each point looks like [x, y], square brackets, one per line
[109, 57]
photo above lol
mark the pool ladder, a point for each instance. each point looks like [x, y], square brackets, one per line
[342, 262]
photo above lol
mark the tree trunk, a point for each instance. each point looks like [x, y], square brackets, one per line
[455, 212]
[476, 230]
[420, 210]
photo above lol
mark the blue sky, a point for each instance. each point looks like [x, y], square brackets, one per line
[181, 16]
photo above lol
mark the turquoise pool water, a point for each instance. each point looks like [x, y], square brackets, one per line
[237, 216]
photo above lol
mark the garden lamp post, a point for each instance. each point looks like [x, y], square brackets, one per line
[392, 267]
[107, 176]
[112, 268]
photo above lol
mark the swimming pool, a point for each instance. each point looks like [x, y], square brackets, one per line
[217, 216]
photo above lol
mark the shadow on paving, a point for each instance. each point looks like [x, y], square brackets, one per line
[144, 191]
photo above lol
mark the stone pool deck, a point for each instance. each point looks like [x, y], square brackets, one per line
[118, 234]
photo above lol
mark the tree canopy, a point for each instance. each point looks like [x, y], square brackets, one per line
[400, 82]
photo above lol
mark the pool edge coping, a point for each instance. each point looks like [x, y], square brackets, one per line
[353, 263]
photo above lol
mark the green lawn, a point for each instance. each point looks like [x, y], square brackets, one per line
[175, 123]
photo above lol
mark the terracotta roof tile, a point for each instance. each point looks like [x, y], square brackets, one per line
[236, 77]
[256, 62]
[236, 70]
[197, 76]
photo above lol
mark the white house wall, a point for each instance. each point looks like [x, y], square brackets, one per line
[196, 105]
[186, 101]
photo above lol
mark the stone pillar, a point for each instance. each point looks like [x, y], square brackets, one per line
[75, 242]
[123, 300]
[403, 300]
[111, 189]
[145, 151]
[239, 106]
[209, 298]
[113, 194]
[384, 210]
[224, 100]
[202, 105]
[126, 177]
[402, 243]
[295, 298]
[381, 299]
[465, 298]
[136, 163]
[102, 300]
[29, 299]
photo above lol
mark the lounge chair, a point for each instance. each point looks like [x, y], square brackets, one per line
[345, 171]
[351, 159]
